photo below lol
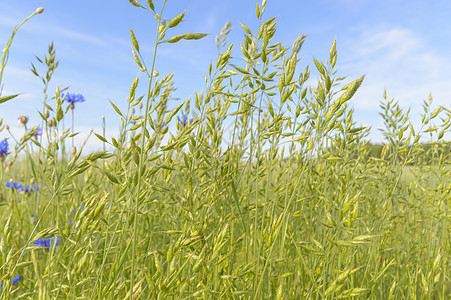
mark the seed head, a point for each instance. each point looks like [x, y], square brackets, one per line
[23, 120]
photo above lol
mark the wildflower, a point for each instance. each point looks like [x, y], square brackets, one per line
[23, 120]
[163, 125]
[3, 149]
[184, 120]
[47, 243]
[73, 98]
[14, 281]
[33, 188]
[37, 133]
[50, 123]
[81, 208]
[15, 185]
[19, 186]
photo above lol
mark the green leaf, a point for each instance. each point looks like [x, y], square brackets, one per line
[333, 50]
[151, 6]
[135, 3]
[176, 21]
[350, 88]
[194, 36]
[319, 66]
[101, 138]
[176, 38]
[137, 60]
[241, 70]
[111, 177]
[187, 36]
[7, 98]
[133, 87]
[134, 41]
[436, 112]
[246, 29]
[116, 109]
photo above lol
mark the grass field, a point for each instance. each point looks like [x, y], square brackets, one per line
[290, 207]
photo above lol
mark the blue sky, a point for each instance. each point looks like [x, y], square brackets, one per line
[402, 46]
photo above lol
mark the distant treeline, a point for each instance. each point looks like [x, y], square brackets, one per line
[424, 153]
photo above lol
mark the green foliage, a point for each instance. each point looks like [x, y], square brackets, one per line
[296, 204]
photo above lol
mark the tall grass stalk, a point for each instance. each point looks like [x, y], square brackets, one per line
[262, 186]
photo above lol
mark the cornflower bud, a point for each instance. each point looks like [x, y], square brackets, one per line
[23, 120]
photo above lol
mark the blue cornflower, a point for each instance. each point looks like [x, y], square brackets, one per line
[33, 188]
[75, 211]
[163, 125]
[37, 133]
[81, 208]
[73, 98]
[47, 242]
[15, 185]
[3, 148]
[19, 186]
[14, 281]
[184, 120]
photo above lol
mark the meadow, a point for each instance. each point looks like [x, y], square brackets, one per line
[290, 206]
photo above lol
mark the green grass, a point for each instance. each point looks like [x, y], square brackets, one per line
[290, 208]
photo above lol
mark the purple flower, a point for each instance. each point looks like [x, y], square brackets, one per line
[3, 148]
[184, 120]
[19, 186]
[34, 187]
[47, 243]
[163, 125]
[81, 208]
[37, 133]
[73, 98]
[14, 281]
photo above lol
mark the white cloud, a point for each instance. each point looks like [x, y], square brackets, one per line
[80, 36]
[400, 61]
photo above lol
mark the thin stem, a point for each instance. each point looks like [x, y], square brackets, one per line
[141, 156]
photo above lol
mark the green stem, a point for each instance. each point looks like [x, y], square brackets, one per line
[141, 156]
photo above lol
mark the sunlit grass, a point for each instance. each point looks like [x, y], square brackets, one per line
[261, 187]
